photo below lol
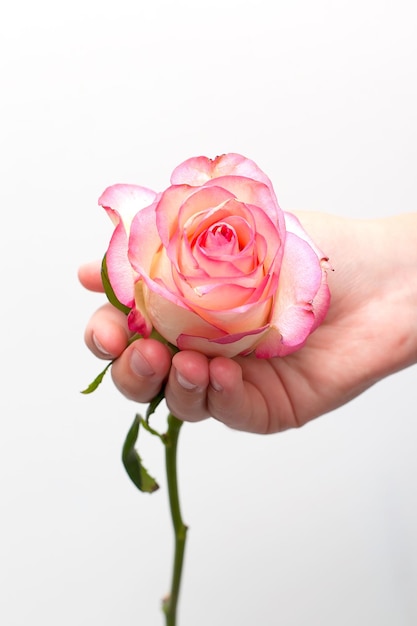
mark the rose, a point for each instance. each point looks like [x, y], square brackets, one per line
[213, 263]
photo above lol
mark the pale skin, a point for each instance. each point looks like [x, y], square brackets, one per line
[369, 333]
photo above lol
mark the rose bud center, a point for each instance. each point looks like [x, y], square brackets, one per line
[219, 238]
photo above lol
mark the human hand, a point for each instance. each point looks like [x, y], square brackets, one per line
[368, 333]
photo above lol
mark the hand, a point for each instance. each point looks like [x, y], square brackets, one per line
[369, 333]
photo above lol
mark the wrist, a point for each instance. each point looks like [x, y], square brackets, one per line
[398, 259]
[373, 288]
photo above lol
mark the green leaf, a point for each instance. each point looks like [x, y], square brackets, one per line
[133, 463]
[93, 386]
[111, 296]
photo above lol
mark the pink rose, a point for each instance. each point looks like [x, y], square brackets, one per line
[213, 263]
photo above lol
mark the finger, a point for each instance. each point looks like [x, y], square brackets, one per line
[106, 333]
[235, 401]
[142, 369]
[89, 275]
[186, 390]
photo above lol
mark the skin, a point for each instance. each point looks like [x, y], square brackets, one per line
[369, 333]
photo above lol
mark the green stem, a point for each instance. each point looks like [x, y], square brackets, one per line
[169, 604]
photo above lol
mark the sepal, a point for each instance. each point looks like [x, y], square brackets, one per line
[96, 382]
[108, 289]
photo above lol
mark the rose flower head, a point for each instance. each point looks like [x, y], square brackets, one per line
[213, 264]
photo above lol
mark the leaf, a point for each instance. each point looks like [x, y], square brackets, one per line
[133, 463]
[96, 382]
[111, 296]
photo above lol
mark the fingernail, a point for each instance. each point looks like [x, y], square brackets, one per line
[140, 365]
[186, 384]
[100, 347]
[216, 386]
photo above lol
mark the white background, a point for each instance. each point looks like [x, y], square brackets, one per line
[313, 527]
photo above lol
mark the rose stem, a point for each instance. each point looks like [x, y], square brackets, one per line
[169, 604]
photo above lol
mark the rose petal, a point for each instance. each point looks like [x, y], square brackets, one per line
[144, 241]
[178, 205]
[293, 317]
[293, 225]
[244, 319]
[253, 193]
[171, 318]
[198, 170]
[120, 272]
[321, 301]
[266, 245]
[122, 202]
[126, 200]
[228, 346]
